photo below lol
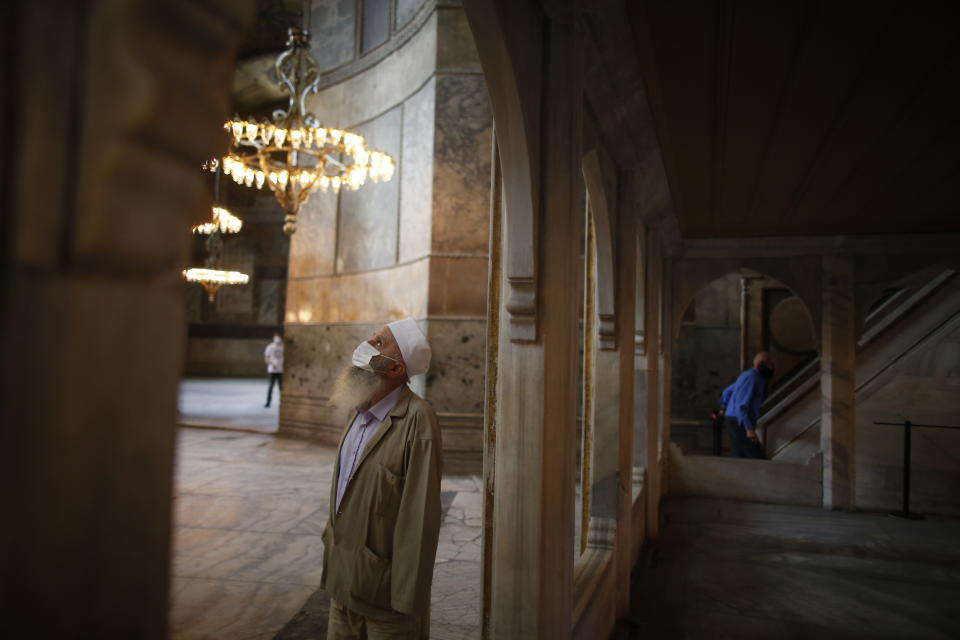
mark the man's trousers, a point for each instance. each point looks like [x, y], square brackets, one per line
[274, 378]
[346, 624]
[740, 445]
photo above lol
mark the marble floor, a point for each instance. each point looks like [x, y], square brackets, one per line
[727, 569]
[249, 512]
[228, 403]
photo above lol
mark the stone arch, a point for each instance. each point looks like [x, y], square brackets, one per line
[601, 203]
[710, 350]
[800, 274]
[513, 83]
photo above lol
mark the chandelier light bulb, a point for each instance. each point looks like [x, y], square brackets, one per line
[213, 279]
[291, 152]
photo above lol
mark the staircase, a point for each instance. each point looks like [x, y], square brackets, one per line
[907, 320]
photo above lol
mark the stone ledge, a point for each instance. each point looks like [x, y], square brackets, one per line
[751, 480]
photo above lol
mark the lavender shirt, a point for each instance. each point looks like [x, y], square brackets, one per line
[364, 427]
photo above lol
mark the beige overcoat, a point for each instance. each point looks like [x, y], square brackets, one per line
[379, 548]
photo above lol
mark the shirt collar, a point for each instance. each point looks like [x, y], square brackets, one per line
[386, 404]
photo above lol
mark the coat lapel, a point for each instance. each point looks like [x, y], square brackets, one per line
[399, 410]
[336, 466]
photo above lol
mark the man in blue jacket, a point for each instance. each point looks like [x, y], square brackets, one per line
[740, 406]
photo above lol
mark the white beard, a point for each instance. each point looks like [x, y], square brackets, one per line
[354, 387]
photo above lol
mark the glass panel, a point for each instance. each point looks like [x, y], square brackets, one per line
[640, 372]
[586, 289]
[376, 24]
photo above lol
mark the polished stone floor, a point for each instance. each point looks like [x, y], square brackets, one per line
[249, 511]
[727, 569]
[228, 403]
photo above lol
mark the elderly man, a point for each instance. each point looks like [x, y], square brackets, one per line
[740, 406]
[381, 540]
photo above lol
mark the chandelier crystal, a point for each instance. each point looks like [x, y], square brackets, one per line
[223, 221]
[213, 279]
[293, 154]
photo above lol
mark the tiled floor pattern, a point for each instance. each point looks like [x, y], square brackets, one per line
[249, 512]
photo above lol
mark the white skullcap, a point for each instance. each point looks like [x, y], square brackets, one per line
[413, 345]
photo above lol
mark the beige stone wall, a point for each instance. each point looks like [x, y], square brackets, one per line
[415, 246]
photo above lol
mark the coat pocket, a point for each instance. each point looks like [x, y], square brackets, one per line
[371, 578]
[388, 492]
[328, 545]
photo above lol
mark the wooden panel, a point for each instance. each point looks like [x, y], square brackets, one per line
[798, 118]
[886, 96]
[764, 41]
[683, 35]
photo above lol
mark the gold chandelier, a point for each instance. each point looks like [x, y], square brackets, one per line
[210, 278]
[293, 154]
[223, 221]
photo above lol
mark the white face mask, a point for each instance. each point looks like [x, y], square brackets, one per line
[364, 354]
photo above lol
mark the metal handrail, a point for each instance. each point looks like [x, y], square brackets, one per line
[907, 430]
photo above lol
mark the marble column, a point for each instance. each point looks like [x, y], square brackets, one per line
[837, 368]
[114, 105]
[531, 558]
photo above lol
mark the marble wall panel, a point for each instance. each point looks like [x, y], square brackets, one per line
[416, 173]
[454, 386]
[225, 357]
[455, 382]
[461, 175]
[458, 286]
[313, 246]
[456, 50]
[317, 353]
[389, 294]
[406, 9]
[270, 302]
[368, 217]
[718, 304]
[369, 93]
[333, 30]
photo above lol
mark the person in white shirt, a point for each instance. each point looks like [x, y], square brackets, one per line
[273, 356]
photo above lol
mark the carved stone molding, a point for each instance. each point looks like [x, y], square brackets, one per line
[521, 306]
[606, 330]
[514, 84]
